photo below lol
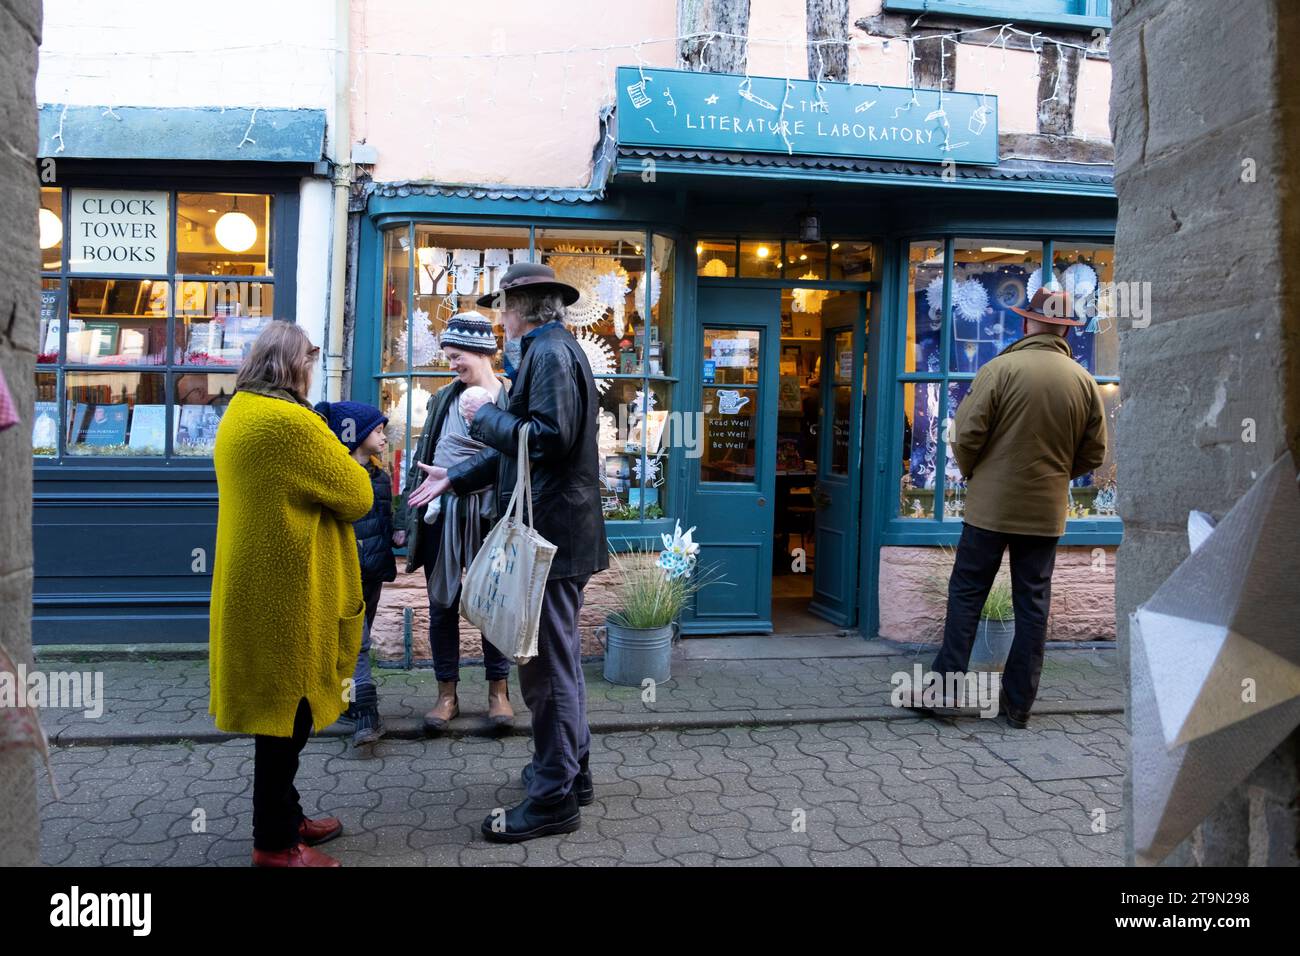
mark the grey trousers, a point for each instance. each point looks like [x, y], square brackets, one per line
[556, 693]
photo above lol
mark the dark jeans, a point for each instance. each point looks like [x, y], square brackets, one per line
[277, 811]
[556, 692]
[979, 555]
[363, 679]
[444, 642]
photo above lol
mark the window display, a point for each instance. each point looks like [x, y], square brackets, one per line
[987, 278]
[623, 275]
[150, 331]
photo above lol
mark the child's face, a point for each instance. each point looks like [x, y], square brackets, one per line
[375, 443]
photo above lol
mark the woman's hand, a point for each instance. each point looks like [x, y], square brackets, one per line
[434, 485]
[399, 539]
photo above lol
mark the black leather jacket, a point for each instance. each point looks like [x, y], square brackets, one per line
[555, 393]
[375, 531]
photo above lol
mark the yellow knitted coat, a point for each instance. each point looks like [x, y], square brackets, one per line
[287, 611]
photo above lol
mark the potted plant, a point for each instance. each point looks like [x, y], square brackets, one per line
[997, 625]
[650, 596]
[996, 631]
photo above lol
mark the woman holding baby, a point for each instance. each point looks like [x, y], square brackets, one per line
[444, 536]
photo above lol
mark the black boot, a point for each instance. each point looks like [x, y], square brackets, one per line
[531, 819]
[368, 727]
[1017, 719]
[583, 785]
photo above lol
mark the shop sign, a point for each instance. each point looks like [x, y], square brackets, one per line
[119, 231]
[680, 109]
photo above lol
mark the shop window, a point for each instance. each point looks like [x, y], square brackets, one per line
[806, 260]
[453, 267]
[115, 413]
[716, 258]
[760, 258]
[223, 234]
[1087, 272]
[623, 321]
[852, 261]
[989, 277]
[217, 322]
[122, 326]
[924, 306]
[45, 416]
[50, 226]
[920, 449]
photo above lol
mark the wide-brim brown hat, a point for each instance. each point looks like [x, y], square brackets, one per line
[528, 275]
[1050, 305]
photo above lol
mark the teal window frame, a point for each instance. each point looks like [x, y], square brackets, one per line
[623, 534]
[1073, 14]
[936, 530]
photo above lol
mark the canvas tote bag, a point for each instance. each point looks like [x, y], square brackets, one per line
[505, 583]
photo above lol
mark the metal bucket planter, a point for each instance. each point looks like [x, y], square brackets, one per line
[992, 645]
[634, 653]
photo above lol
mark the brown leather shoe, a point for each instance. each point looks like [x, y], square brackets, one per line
[500, 713]
[300, 855]
[321, 830]
[444, 711]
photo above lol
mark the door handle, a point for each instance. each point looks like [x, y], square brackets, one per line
[762, 502]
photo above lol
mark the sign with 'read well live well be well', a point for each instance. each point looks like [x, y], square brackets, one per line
[120, 231]
[684, 110]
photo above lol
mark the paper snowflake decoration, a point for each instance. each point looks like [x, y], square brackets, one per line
[612, 289]
[396, 413]
[599, 356]
[651, 475]
[655, 283]
[643, 402]
[1080, 280]
[934, 295]
[970, 299]
[424, 344]
[582, 268]
[1035, 282]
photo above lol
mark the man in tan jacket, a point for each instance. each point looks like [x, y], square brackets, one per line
[1032, 421]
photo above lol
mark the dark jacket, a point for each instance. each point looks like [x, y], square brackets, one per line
[419, 541]
[555, 393]
[1033, 420]
[375, 531]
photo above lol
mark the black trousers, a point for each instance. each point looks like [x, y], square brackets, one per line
[979, 555]
[555, 691]
[277, 811]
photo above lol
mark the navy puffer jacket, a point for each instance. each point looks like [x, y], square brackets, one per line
[375, 531]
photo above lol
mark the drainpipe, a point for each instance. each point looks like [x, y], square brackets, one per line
[342, 189]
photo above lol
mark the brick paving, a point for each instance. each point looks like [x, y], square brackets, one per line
[168, 699]
[907, 791]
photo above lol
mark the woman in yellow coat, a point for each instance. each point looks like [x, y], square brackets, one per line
[286, 612]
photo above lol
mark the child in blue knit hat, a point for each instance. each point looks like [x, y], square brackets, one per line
[361, 428]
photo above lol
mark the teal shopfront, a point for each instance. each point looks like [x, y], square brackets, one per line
[779, 335]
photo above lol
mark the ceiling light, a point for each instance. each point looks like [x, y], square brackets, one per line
[762, 252]
[236, 231]
[51, 228]
[1005, 249]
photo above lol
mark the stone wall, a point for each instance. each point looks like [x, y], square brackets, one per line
[1206, 130]
[913, 591]
[20, 26]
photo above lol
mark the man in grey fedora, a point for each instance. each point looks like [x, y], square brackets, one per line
[554, 393]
